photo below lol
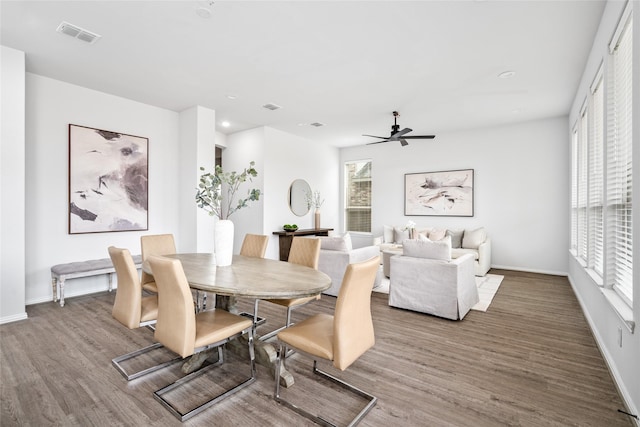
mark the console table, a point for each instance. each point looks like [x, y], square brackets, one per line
[285, 238]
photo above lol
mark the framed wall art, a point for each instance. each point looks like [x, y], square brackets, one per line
[108, 181]
[445, 193]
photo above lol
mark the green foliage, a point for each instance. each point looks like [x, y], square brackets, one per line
[217, 191]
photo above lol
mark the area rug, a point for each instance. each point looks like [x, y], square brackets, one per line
[487, 288]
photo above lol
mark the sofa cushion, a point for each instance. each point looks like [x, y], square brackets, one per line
[456, 238]
[400, 234]
[472, 239]
[387, 234]
[458, 252]
[335, 243]
[437, 234]
[427, 249]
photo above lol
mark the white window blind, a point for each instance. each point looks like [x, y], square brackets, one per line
[583, 164]
[358, 196]
[574, 189]
[619, 162]
[595, 212]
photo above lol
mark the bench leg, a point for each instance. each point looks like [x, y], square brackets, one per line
[61, 292]
[110, 282]
[54, 285]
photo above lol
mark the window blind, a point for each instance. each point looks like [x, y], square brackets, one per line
[582, 187]
[619, 162]
[596, 179]
[358, 196]
[574, 189]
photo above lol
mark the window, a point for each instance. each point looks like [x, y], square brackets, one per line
[596, 179]
[619, 162]
[574, 190]
[583, 165]
[358, 196]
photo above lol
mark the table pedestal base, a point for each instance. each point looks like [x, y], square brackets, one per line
[265, 352]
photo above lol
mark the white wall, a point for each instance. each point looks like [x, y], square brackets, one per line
[521, 181]
[281, 158]
[623, 360]
[50, 106]
[12, 185]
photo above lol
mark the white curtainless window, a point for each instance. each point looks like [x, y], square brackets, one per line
[357, 181]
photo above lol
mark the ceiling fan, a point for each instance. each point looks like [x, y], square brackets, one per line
[397, 134]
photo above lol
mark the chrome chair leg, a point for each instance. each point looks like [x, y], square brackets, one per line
[183, 416]
[318, 419]
[116, 362]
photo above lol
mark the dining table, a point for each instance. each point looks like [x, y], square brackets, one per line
[248, 277]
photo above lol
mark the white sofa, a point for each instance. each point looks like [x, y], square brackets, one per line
[469, 241]
[336, 253]
[427, 280]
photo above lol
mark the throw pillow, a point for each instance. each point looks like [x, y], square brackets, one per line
[399, 235]
[342, 243]
[473, 238]
[427, 249]
[456, 238]
[437, 234]
[421, 236]
[387, 234]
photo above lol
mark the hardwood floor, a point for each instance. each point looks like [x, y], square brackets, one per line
[530, 360]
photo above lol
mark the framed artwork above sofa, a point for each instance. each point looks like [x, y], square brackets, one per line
[443, 193]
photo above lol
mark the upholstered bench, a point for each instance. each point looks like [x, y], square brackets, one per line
[74, 270]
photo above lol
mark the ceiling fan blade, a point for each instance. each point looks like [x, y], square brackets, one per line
[374, 136]
[377, 142]
[400, 133]
[403, 142]
[420, 137]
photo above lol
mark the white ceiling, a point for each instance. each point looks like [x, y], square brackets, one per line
[347, 64]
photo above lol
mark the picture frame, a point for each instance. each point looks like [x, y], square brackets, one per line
[108, 181]
[442, 193]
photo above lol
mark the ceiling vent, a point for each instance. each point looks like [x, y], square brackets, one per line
[271, 106]
[78, 33]
[316, 124]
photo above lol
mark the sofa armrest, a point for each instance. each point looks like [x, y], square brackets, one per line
[484, 258]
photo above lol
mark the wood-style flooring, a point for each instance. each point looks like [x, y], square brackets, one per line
[530, 360]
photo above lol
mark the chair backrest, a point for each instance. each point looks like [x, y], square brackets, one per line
[156, 244]
[305, 251]
[352, 326]
[176, 326]
[254, 245]
[127, 306]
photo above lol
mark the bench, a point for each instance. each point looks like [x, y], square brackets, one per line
[74, 270]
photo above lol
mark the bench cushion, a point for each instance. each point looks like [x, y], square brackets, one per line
[85, 266]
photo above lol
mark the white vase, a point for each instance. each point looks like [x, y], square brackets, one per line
[223, 242]
[316, 221]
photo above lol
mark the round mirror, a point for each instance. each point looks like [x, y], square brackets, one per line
[298, 197]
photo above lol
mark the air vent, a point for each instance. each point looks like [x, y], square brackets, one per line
[316, 124]
[78, 33]
[271, 106]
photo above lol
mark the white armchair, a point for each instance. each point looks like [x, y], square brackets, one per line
[336, 254]
[426, 279]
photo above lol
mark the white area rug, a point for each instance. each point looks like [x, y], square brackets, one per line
[487, 288]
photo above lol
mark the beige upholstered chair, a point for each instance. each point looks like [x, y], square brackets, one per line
[254, 245]
[304, 251]
[183, 331]
[341, 338]
[131, 309]
[155, 244]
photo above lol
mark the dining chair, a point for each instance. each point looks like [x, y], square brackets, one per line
[340, 338]
[132, 309]
[254, 245]
[155, 244]
[186, 333]
[304, 251]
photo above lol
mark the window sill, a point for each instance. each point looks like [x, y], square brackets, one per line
[620, 307]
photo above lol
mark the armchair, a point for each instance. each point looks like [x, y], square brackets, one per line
[426, 279]
[336, 253]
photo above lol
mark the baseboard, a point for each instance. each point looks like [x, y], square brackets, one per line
[531, 270]
[14, 318]
[617, 379]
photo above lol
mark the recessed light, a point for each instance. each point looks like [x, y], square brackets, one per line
[232, 96]
[271, 106]
[225, 124]
[203, 11]
[507, 74]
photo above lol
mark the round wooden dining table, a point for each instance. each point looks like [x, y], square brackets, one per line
[249, 277]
